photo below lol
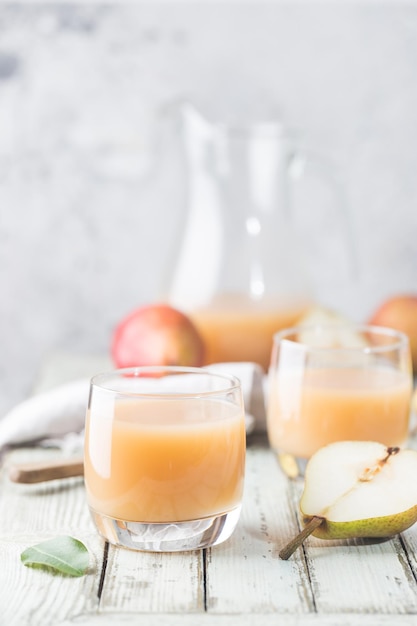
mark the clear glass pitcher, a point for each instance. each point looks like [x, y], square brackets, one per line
[239, 272]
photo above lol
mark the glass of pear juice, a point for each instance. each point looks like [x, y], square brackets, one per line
[164, 457]
[336, 383]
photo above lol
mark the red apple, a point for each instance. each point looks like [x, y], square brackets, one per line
[157, 335]
[400, 312]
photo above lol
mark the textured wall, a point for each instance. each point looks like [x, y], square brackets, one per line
[89, 167]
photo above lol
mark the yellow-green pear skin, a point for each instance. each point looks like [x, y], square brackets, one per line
[373, 527]
[360, 489]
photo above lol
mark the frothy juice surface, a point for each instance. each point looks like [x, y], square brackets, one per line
[165, 460]
[317, 407]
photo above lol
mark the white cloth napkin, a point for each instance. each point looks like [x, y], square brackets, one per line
[56, 416]
[49, 414]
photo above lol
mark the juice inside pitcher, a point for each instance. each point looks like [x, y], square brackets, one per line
[234, 328]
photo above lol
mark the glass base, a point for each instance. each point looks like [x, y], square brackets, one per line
[167, 537]
[294, 467]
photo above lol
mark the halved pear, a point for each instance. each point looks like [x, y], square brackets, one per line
[358, 489]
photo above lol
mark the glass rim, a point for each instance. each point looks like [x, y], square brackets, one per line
[98, 381]
[402, 340]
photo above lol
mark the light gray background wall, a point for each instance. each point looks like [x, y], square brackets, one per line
[89, 161]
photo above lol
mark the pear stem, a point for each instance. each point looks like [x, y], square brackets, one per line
[295, 543]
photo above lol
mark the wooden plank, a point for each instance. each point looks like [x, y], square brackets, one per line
[364, 576]
[245, 575]
[409, 537]
[146, 582]
[260, 619]
[30, 514]
[32, 596]
[409, 542]
[361, 576]
[42, 508]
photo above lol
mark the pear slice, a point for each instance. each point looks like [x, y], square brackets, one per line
[357, 489]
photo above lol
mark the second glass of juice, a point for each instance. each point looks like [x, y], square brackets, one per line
[333, 383]
[165, 457]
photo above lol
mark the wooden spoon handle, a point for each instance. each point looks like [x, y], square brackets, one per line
[46, 470]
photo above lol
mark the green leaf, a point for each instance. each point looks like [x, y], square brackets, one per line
[63, 554]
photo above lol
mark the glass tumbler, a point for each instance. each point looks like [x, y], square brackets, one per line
[164, 457]
[333, 383]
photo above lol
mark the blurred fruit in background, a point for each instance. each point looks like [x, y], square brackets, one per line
[400, 312]
[156, 335]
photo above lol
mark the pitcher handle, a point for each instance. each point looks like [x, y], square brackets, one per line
[300, 163]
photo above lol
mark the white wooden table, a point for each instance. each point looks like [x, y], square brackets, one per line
[240, 582]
